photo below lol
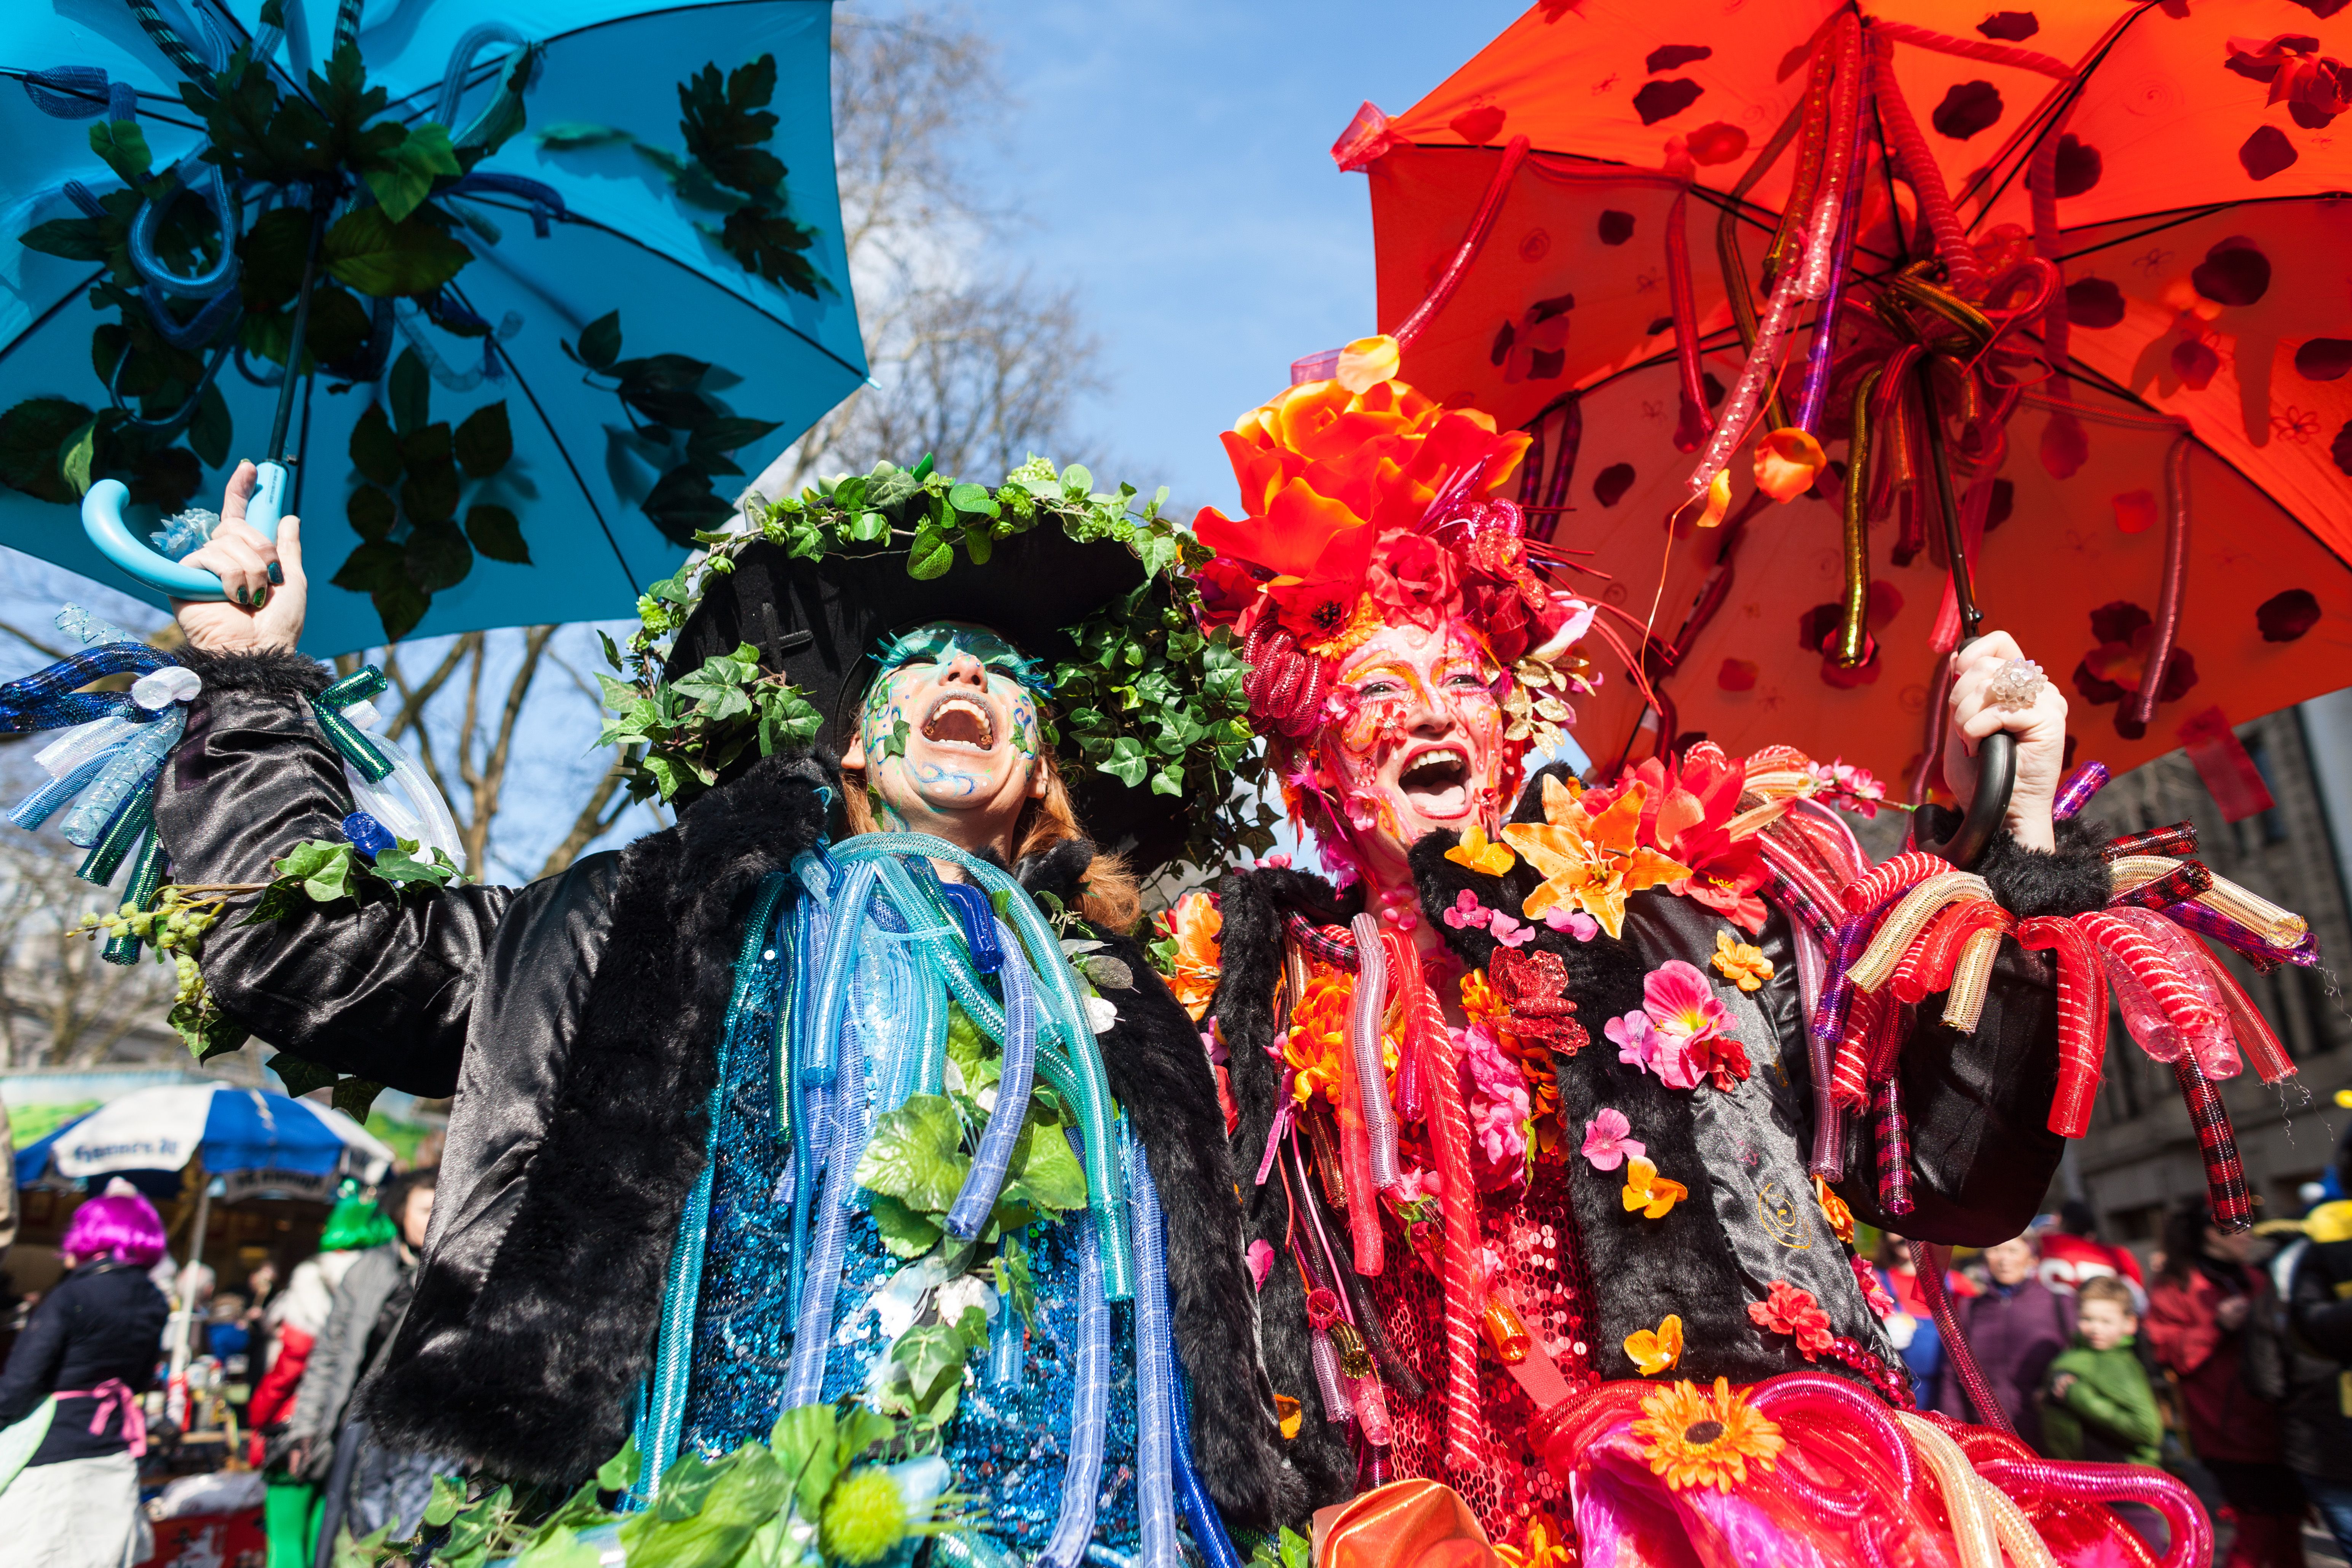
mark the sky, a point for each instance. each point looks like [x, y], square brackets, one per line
[1174, 157]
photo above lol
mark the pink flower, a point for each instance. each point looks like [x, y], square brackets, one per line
[1510, 932]
[1261, 1262]
[1413, 1185]
[1681, 1003]
[1499, 1106]
[1605, 1141]
[1631, 1034]
[1575, 922]
[1843, 785]
[1468, 911]
[1872, 1291]
[1278, 860]
[1642, 1044]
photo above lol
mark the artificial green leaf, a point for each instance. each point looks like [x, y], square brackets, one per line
[724, 126]
[399, 605]
[619, 1473]
[743, 1495]
[371, 513]
[374, 449]
[931, 1352]
[573, 135]
[485, 443]
[411, 389]
[209, 431]
[681, 504]
[77, 238]
[768, 245]
[205, 1032]
[402, 175]
[803, 1440]
[931, 555]
[270, 258]
[77, 454]
[971, 498]
[448, 1501]
[1077, 479]
[324, 870]
[497, 533]
[858, 1429]
[437, 554]
[905, 1233]
[301, 1078]
[354, 1096]
[1015, 1280]
[600, 341]
[558, 1548]
[338, 328]
[399, 866]
[1044, 1173]
[122, 146]
[370, 252]
[32, 436]
[917, 1155]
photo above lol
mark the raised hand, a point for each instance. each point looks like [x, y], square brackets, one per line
[2040, 729]
[260, 613]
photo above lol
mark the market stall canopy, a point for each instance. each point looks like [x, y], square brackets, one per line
[252, 1139]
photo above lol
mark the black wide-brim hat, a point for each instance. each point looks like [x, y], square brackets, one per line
[819, 623]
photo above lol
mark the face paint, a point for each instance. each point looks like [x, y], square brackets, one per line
[1420, 745]
[949, 734]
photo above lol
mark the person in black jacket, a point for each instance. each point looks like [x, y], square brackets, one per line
[92, 1344]
[2299, 1355]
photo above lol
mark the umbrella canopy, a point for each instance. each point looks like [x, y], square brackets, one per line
[254, 1139]
[486, 443]
[2148, 416]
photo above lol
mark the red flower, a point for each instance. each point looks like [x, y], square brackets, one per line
[1794, 1312]
[1685, 817]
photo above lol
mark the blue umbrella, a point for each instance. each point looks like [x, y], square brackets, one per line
[486, 441]
[254, 1134]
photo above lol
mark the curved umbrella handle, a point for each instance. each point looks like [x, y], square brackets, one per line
[1996, 778]
[101, 519]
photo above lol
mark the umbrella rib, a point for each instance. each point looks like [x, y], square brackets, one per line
[2173, 218]
[17, 73]
[663, 255]
[72, 296]
[2056, 106]
[562, 450]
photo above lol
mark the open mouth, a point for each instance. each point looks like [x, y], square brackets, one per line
[958, 721]
[1437, 781]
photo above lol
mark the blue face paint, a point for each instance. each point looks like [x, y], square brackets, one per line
[942, 641]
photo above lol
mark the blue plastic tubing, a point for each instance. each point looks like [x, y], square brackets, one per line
[1155, 1371]
[1089, 1407]
[1065, 1016]
[662, 1416]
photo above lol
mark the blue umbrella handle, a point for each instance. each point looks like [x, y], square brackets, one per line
[101, 519]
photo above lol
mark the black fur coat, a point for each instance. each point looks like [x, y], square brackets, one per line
[576, 1020]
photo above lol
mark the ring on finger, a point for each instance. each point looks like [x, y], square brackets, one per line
[2016, 686]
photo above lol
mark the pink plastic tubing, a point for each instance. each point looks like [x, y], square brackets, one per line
[1827, 267]
[1827, 1398]
[2082, 1019]
[1696, 421]
[2192, 1533]
[1931, 1261]
[1482, 223]
[1920, 171]
[1739, 410]
[2165, 1009]
[2195, 1012]
[2246, 1022]
[2176, 575]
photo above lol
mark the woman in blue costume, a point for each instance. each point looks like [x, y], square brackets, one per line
[847, 1090]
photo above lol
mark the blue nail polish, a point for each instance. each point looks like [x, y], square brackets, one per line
[276, 574]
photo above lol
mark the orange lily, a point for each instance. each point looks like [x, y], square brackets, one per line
[1592, 862]
[1196, 925]
[1656, 1350]
[1742, 963]
[1649, 1192]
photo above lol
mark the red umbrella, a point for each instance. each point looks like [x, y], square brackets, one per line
[2075, 259]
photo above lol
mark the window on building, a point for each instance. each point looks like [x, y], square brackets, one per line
[2270, 826]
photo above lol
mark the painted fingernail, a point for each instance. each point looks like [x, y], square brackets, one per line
[276, 574]
[260, 597]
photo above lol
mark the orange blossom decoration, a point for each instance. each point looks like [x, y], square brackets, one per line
[1478, 853]
[1195, 925]
[1695, 1439]
[1591, 862]
[1649, 1192]
[1656, 1350]
[1742, 963]
[1835, 1210]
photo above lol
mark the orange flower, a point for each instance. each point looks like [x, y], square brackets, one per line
[1835, 1210]
[1477, 852]
[1319, 1034]
[1479, 1003]
[1742, 963]
[1367, 362]
[1656, 1350]
[1196, 925]
[1698, 1440]
[1549, 1545]
[1787, 460]
[1592, 862]
[1649, 1192]
[1718, 499]
[1290, 1413]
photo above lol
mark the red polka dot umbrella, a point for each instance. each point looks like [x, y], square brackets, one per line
[1787, 290]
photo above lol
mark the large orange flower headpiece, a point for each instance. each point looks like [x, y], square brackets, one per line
[1366, 502]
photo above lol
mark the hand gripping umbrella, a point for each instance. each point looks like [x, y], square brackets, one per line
[2070, 265]
[462, 215]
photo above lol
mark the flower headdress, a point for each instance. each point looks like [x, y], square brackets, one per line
[1367, 502]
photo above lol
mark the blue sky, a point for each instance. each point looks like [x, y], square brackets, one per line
[1174, 155]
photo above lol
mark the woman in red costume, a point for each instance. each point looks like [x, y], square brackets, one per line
[1528, 1091]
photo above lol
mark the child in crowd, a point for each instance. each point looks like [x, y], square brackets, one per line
[2098, 1404]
